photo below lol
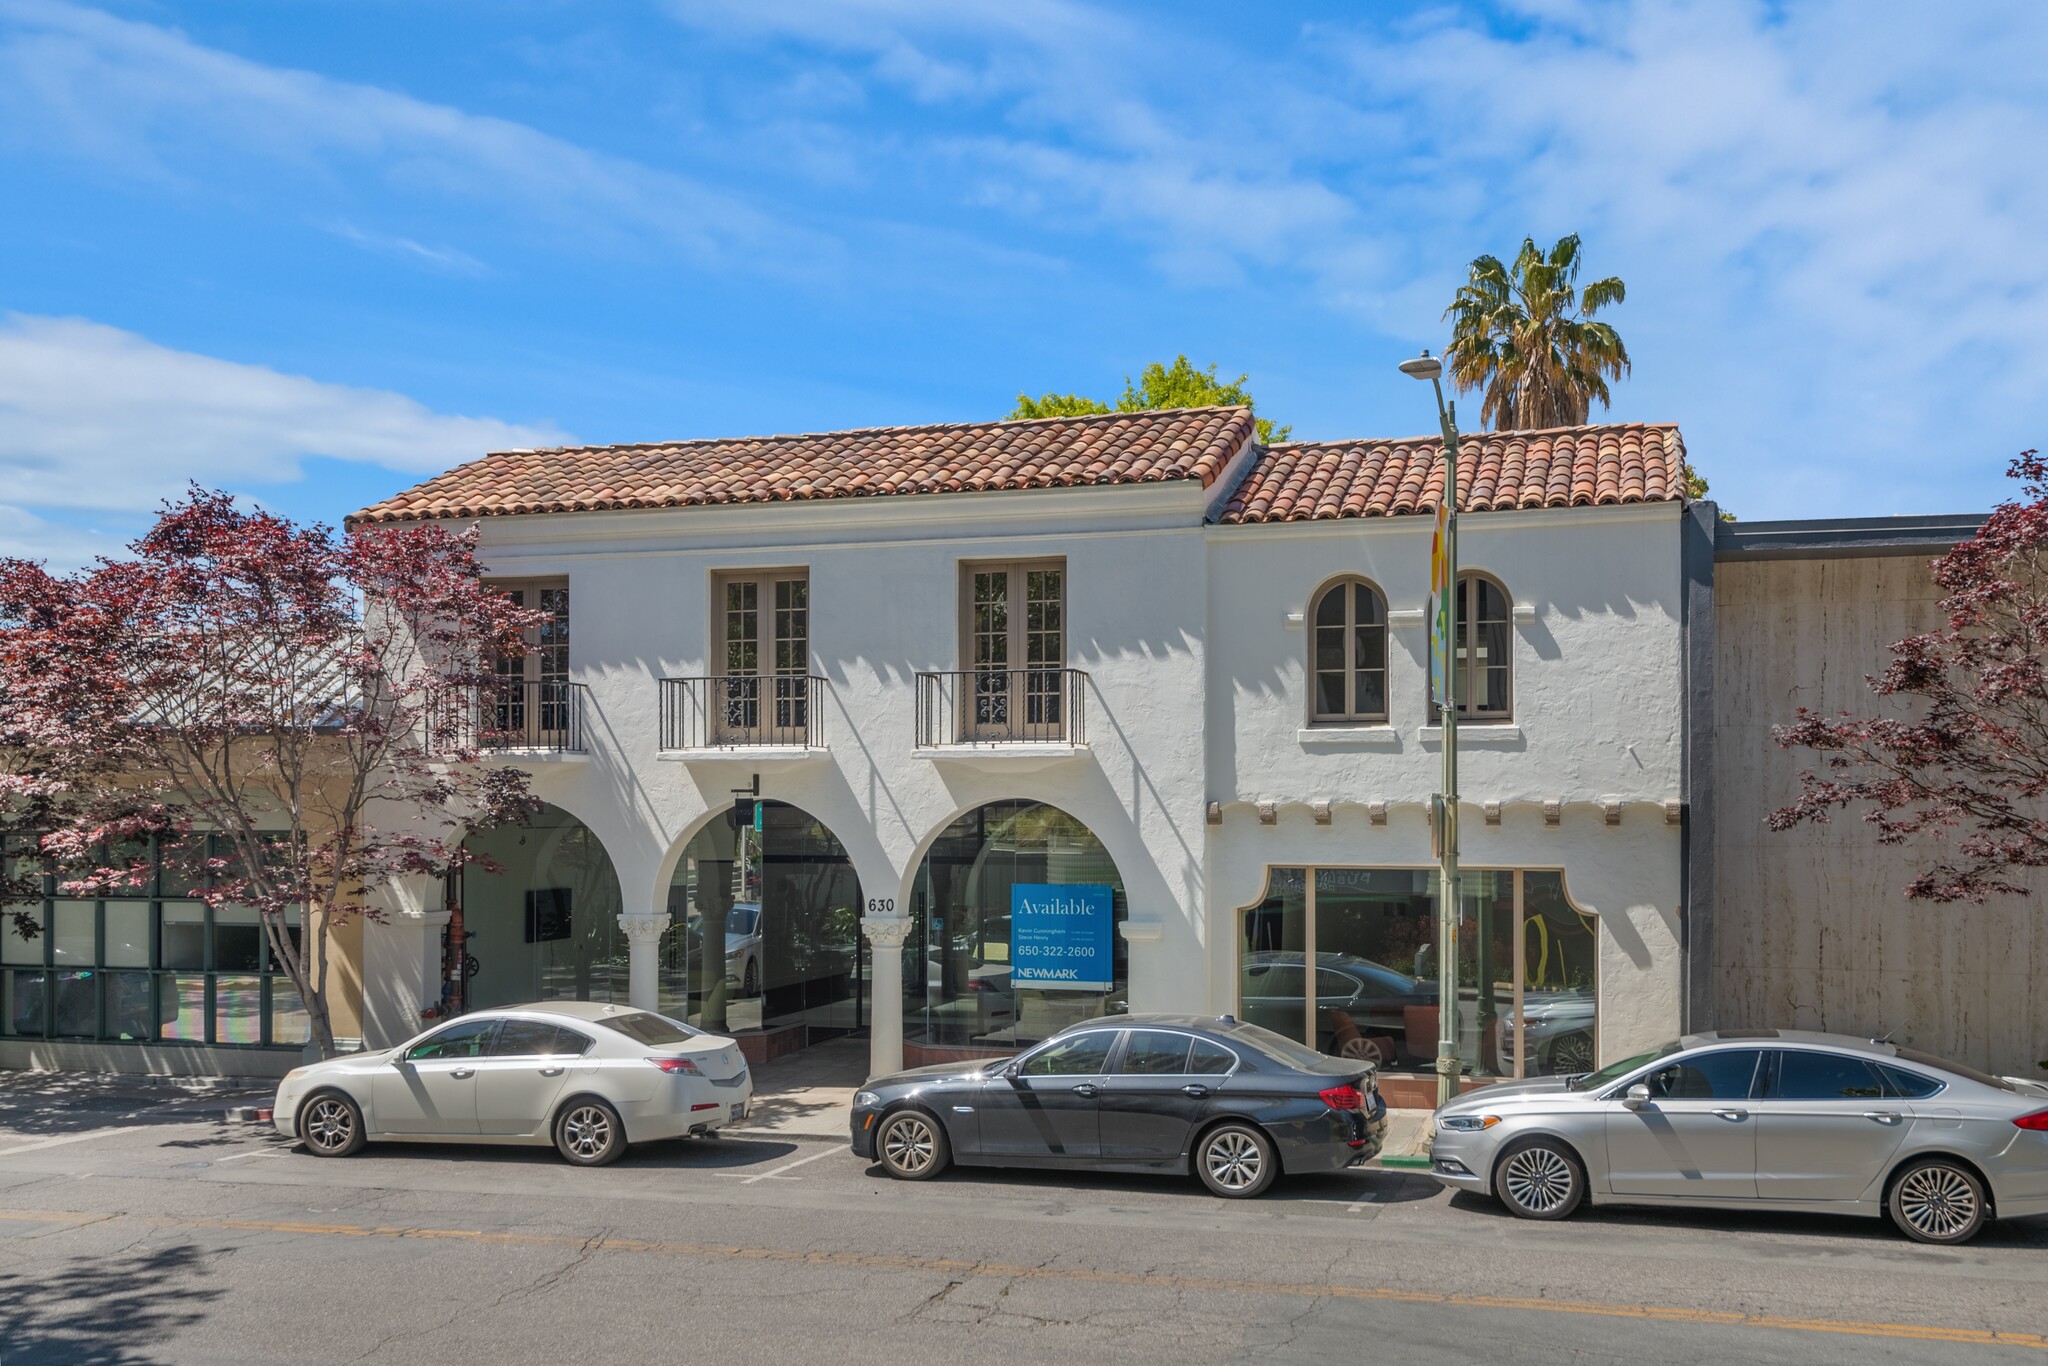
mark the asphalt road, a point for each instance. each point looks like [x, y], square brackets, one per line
[147, 1230]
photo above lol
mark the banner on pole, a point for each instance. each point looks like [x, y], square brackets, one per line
[1440, 590]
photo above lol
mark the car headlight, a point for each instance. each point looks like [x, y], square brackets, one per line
[865, 1100]
[1467, 1124]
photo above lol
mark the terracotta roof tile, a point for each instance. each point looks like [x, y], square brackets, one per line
[1565, 467]
[1118, 448]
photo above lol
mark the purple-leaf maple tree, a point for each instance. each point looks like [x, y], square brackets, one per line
[315, 700]
[1962, 754]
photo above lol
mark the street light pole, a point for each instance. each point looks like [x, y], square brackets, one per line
[1443, 661]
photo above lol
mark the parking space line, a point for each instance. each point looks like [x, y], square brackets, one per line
[70, 1138]
[763, 1176]
[253, 1152]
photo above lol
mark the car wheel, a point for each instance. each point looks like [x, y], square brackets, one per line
[912, 1146]
[1540, 1179]
[331, 1125]
[1368, 1049]
[589, 1133]
[752, 985]
[1938, 1201]
[1572, 1055]
[1236, 1161]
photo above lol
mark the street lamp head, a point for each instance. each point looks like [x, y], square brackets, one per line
[1424, 366]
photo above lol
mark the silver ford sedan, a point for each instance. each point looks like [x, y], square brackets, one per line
[587, 1077]
[1761, 1119]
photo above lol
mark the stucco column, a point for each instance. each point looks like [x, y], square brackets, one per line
[643, 964]
[886, 934]
[401, 957]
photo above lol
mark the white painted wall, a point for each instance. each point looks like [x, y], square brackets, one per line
[1196, 694]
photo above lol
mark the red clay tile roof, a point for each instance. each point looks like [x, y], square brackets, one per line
[1564, 467]
[1118, 448]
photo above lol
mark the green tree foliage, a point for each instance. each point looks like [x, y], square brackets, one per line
[1524, 335]
[1180, 385]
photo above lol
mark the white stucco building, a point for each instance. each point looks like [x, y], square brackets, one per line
[1138, 653]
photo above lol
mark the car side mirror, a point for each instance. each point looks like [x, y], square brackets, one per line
[1638, 1096]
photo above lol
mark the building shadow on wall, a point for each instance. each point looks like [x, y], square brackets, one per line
[100, 1310]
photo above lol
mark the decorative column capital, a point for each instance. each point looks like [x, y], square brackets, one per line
[886, 931]
[643, 931]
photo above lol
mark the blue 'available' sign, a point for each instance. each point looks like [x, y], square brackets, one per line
[1060, 937]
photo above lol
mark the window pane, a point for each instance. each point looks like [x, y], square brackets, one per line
[1210, 1059]
[568, 1043]
[522, 1039]
[1825, 1076]
[289, 1022]
[21, 998]
[1367, 609]
[71, 937]
[1155, 1052]
[181, 1006]
[1910, 1085]
[127, 934]
[463, 1040]
[1724, 1075]
[1084, 1055]
[77, 1004]
[1330, 694]
[1372, 693]
[237, 1009]
[184, 936]
[130, 1013]
[1275, 938]
[1330, 608]
[237, 939]
[1329, 647]
[15, 949]
[1560, 949]
[654, 1030]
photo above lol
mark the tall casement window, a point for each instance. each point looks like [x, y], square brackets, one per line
[1484, 664]
[1348, 652]
[1014, 639]
[762, 691]
[533, 703]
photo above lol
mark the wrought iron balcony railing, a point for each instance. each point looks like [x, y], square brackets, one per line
[743, 710]
[518, 714]
[1002, 707]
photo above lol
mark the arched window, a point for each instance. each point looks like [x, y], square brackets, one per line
[1348, 652]
[1484, 665]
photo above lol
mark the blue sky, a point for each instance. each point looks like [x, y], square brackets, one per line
[313, 252]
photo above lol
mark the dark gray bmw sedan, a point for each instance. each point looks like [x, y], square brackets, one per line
[1235, 1104]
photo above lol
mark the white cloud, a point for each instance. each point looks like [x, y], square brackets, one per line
[151, 103]
[93, 419]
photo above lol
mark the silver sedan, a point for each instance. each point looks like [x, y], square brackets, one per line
[586, 1077]
[1761, 1119]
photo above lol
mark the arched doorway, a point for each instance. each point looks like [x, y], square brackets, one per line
[764, 937]
[545, 925]
[1009, 897]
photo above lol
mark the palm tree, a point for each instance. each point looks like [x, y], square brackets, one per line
[1527, 337]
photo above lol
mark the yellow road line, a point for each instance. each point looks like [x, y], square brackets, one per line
[870, 1261]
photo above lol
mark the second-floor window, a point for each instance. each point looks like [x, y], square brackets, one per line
[533, 703]
[1348, 652]
[1483, 666]
[1014, 640]
[762, 690]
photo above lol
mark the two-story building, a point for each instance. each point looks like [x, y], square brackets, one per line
[833, 727]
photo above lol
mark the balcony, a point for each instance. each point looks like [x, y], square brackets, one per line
[752, 716]
[1018, 716]
[541, 717]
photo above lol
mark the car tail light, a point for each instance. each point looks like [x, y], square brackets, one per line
[677, 1067]
[1342, 1098]
[2038, 1121]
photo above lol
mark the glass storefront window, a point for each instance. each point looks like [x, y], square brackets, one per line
[961, 964]
[13, 947]
[764, 930]
[139, 968]
[545, 925]
[1344, 960]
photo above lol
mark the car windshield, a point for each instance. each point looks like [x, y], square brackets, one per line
[742, 920]
[1282, 1049]
[642, 1027]
[1615, 1071]
[1955, 1069]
